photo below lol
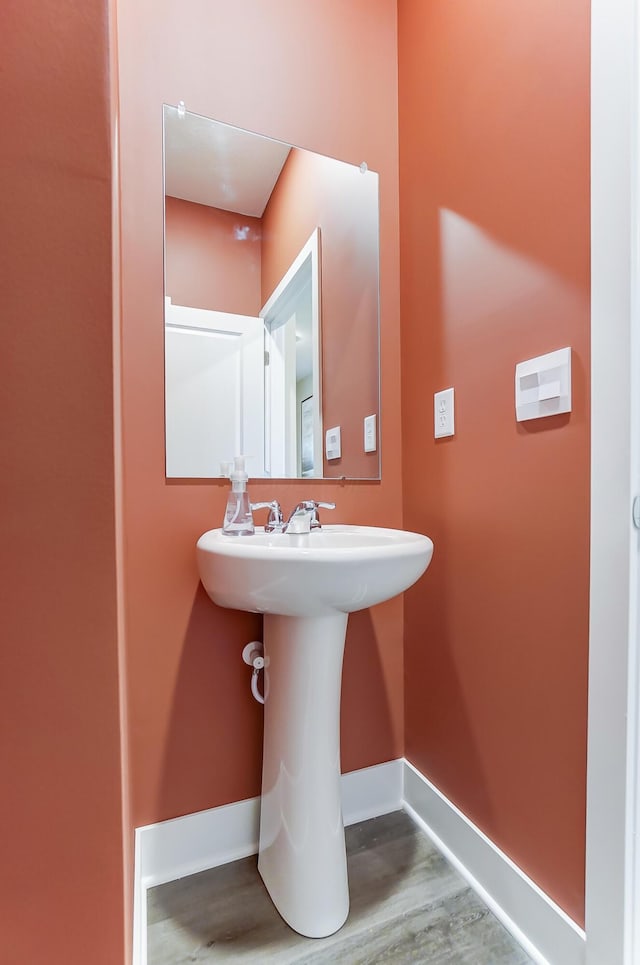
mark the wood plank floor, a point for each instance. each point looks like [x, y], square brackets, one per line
[407, 905]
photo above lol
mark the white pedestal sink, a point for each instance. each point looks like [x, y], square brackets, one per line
[306, 585]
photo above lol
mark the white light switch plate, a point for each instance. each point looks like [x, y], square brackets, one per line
[333, 443]
[543, 385]
[443, 414]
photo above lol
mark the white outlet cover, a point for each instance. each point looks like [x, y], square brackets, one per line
[443, 414]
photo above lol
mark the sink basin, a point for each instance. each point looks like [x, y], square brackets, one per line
[306, 586]
[337, 568]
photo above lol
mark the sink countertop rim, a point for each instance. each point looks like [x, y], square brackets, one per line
[383, 542]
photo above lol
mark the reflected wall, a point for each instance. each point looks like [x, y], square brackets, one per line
[205, 267]
[345, 205]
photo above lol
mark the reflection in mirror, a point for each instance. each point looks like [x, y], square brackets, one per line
[271, 304]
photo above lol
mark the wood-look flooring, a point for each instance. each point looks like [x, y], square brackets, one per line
[407, 905]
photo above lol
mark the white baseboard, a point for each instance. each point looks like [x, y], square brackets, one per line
[544, 930]
[206, 839]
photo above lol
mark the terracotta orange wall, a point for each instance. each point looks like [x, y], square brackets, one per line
[206, 265]
[315, 191]
[494, 149]
[195, 732]
[61, 888]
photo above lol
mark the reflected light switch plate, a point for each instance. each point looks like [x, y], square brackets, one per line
[370, 433]
[333, 444]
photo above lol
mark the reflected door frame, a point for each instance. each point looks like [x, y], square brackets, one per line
[281, 421]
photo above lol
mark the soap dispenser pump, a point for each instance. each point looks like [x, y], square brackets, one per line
[238, 518]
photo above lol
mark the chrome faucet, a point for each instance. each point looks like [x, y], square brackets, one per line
[305, 518]
[275, 523]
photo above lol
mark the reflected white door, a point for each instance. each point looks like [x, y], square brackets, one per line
[214, 391]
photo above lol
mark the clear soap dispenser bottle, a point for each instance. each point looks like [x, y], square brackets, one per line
[238, 518]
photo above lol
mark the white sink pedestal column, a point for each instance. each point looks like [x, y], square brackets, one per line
[305, 584]
[302, 857]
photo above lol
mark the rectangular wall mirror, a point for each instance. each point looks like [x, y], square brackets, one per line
[271, 305]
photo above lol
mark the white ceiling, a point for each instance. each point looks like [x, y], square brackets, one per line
[219, 165]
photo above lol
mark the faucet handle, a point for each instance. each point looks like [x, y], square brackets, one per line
[275, 522]
[313, 505]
